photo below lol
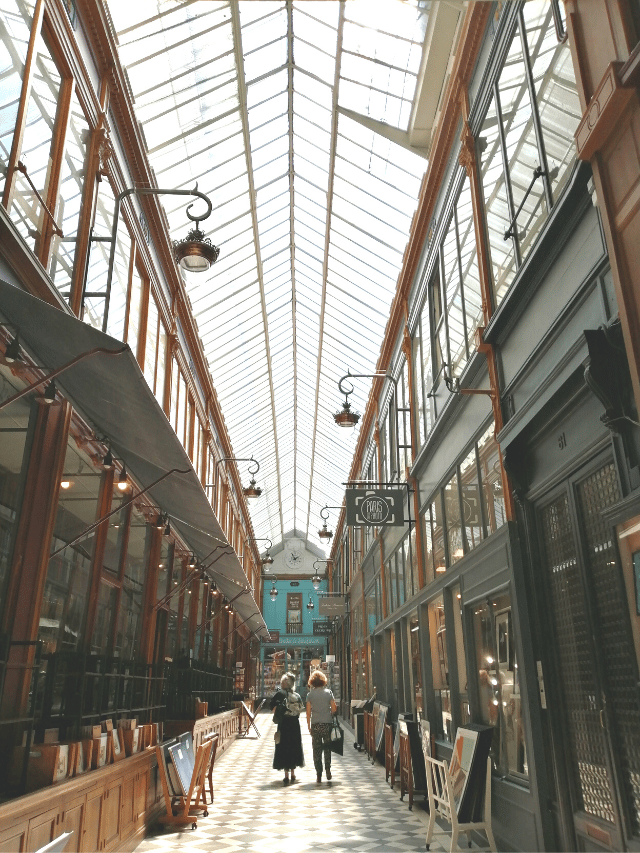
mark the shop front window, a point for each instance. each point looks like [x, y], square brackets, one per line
[499, 683]
[130, 611]
[14, 425]
[461, 660]
[65, 598]
[413, 627]
[491, 473]
[440, 669]
[454, 522]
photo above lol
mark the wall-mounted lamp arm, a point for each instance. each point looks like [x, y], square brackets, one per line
[61, 369]
[114, 229]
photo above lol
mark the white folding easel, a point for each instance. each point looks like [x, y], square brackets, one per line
[442, 804]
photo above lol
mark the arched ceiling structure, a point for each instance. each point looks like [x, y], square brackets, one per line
[307, 122]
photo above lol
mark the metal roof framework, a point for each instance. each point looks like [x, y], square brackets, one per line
[295, 117]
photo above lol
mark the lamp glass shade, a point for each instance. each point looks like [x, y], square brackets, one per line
[252, 491]
[345, 417]
[273, 594]
[196, 253]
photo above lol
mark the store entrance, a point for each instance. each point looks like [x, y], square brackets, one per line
[300, 660]
[590, 665]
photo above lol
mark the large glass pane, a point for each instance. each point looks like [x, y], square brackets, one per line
[555, 89]
[16, 17]
[522, 152]
[26, 210]
[469, 264]
[453, 297]
[129, 624]
[413, 627]
[99, 250]
[67, 210]
[491, 473]
[103, 632]
[464, 711]
[499, 683]
[454, 521]
[14, 423]
[440, 669]
[65, 598]
[471, 502]
[497, 207]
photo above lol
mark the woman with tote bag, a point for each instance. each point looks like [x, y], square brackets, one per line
[320, 709]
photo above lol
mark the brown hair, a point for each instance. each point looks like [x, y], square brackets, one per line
[317, 679]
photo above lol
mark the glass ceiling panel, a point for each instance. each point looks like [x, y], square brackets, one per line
[311, 210]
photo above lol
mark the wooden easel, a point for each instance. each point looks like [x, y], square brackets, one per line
[442, 804]
[389, 755]
[183, 810]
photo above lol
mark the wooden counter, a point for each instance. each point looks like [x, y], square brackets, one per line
[107, 809]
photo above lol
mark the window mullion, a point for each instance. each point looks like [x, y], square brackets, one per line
[25, 94]
[507, 176]
[535, 113]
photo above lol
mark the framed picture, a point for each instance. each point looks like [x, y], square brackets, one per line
[380, 721]
[463, 751]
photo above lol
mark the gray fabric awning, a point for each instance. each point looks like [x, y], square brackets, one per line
[111, 393]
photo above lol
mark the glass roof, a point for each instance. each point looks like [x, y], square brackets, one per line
[278, 111]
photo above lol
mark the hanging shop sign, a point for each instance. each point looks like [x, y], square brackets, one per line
[375, 507]
[331, 605]
[322, 626]
[274, 637]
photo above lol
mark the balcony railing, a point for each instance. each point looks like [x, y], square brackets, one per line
[294, 627]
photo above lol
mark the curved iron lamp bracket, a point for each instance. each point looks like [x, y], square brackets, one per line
[239, 459]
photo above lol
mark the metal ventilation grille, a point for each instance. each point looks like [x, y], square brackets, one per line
[575, 657]
[594, 494]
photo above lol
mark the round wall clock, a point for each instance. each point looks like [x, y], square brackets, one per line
[294, 560]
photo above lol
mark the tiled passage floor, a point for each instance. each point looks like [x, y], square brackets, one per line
[253, 811]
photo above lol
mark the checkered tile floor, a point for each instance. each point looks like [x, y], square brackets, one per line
[254, 811]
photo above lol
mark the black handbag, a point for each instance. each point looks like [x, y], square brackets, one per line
[279, 712]
[336, 743]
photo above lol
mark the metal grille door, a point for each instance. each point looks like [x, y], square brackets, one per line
[620, 676]
[573, 648]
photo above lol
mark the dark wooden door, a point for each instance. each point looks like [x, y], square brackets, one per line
[594, 700]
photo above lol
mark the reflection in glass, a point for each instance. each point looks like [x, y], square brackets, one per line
[413, 627]
[471, 503]
[26, 211]
[14, 422]
[499, 683]
[64, 603]
[67, 211]
[130, 609]
[440, 669]
[454, 523]
[16, 17]
[491, 473]
[461, 660]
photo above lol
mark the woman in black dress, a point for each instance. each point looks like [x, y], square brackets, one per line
[288, 754]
